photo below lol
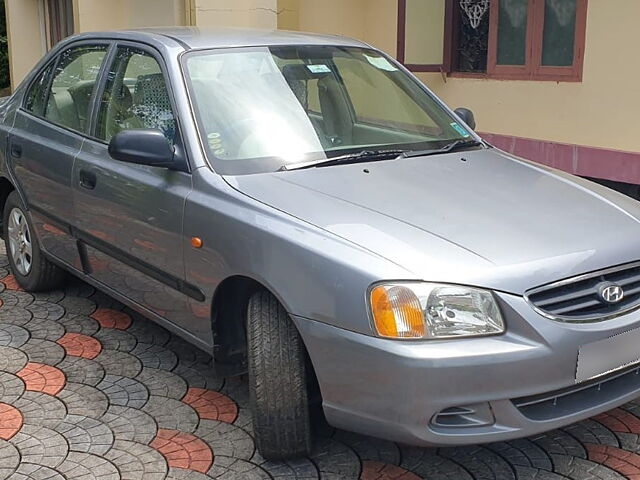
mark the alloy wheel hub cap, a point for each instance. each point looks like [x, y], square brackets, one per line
[20, 246]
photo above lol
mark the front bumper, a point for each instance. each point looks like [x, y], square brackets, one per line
[467, 391]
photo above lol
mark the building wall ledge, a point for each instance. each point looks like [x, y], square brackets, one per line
[607, 164]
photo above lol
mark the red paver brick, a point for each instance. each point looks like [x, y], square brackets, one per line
[183, 450]
[211, 405]
[383, 471]
[622, 461]
[10, 421]
[11, 283]
[108, 318]
[42, 378]
[78, 345]
[619, 420]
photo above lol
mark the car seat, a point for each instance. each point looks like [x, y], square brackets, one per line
[152, 106]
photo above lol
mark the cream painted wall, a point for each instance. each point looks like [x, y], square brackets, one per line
[288, 15]
[26, 42]
[373, 21]
[381, 25]
[341, 17]
[602, 111]
[154, 13]
[236, 13]
[93, 15]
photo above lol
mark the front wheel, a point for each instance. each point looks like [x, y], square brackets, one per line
[277, 380]
[28, 265]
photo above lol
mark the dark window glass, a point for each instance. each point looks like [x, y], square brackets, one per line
[472, 42]
[135, 96]
[512, 32]
[73, 82]
[559, 33]
[35, 100]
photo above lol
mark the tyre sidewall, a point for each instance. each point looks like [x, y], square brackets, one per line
[28, 282]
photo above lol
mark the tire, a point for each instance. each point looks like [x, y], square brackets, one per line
[32, 270]
[277, 380]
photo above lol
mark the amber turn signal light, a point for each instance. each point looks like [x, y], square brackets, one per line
[196, 242]
[397, 312]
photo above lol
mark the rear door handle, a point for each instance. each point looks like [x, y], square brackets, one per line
[16, 150]
[87, 180]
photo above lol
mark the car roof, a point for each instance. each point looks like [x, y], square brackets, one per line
[192, 38]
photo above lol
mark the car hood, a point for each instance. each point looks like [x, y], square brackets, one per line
[480, 217]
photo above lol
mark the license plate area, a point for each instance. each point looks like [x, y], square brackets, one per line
[608, 355]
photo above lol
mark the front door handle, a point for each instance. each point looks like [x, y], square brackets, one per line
[87, 180]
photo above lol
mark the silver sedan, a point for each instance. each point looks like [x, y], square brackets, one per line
[304, 209]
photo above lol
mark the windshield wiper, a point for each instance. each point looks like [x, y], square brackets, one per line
[451, 147]
[363, 156]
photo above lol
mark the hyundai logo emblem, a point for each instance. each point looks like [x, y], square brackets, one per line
[610, 293]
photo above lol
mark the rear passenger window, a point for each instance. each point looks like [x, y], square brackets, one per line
[74, 78]
[36, 96]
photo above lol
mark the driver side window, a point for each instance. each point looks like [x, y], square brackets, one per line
[135, 96]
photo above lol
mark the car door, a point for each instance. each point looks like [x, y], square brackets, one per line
[129, 216]
[47, 135]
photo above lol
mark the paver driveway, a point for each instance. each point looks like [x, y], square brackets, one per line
[90, 390]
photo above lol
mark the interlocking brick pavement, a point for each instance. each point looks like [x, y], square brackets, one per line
[90, 390]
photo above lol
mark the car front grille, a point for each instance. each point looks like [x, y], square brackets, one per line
[581, 397]
[577, 299]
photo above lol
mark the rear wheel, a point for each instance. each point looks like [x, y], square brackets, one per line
[28, 265]
[277, 380]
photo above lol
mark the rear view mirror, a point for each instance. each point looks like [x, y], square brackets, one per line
[466, 116]
[144, 146]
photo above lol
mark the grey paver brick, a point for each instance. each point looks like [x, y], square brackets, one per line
[155, 356]
[124, 391]
[40, 409]
[13, 335]
[85, 434]
[11, 387]
[82, 370]
[226, 439]
[113, 339]
[40, 446]
[136, 461]
[9, 459]
[172, 414]
[119, 363]
[84, 400]
[86, 466]
[130, 424]
[162, 383]
[12, 360]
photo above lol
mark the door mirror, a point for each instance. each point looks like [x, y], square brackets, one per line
[467, 117]
[144, 146]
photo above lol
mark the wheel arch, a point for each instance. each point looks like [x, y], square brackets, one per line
[228, 322]
[6, 187]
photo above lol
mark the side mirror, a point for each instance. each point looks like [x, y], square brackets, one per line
[467, 117]
[144, 146]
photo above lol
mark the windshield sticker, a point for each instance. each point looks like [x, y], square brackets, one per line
[381, 63]
[460, 129]
[319, 68]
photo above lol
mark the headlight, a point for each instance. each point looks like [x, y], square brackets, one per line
[431, 311]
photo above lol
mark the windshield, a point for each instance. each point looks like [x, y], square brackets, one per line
[261, 108]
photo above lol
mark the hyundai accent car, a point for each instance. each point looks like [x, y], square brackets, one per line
[304, 209]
